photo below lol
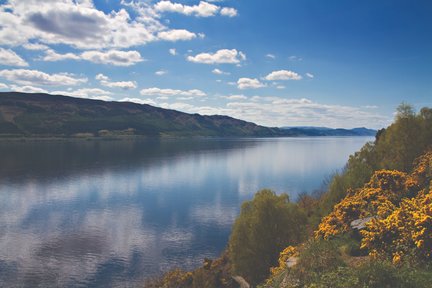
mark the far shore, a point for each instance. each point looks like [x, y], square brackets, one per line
[144, 137]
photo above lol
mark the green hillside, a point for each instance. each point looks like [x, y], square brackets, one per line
[46, 115]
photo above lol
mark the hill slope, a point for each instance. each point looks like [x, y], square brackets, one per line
[24, 114]
[44, 115]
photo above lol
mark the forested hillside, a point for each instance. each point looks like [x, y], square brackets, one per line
[55, 115]
[44, 115]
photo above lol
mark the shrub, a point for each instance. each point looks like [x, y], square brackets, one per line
[265, 226]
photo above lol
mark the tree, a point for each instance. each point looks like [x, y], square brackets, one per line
[265, 226]
[404, 111]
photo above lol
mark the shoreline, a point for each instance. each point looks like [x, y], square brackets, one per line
[144, 137]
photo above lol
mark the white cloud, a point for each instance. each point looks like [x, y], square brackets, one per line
[283, 75]
[220, 72]
[278, 112]
[178, 106]
[105, 81]
[28, 89]
[35, 77]
[310, 75]
[176, 35]
[230, 12]
[203, 9]
[35, 46]
[219, 57]
[138, 101]
[52, 56]
[10, 58]
[172, 51]
[235, 97]
[101, 77]
[249, 83]
[69, 23]
[80, 25]
[89, 93]
[154, 91]
[280, 87]
[111, 57]
[3, 86]
[271, 56]
[161, 72]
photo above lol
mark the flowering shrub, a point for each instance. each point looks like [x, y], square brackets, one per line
[405, 232]
[384, 190]
[401, 210]
[287, 253]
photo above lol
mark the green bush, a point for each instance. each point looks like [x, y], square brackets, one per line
[371, 274]
[265, 226]
[395, 148]
[377, 274]
[341, 277]
[317, 258]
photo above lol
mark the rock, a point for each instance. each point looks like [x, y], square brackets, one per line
[292, 261]
[360, 224]
[241, 281]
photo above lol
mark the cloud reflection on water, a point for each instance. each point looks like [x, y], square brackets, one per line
[114, 212]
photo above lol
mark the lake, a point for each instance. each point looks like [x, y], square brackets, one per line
[111, 213]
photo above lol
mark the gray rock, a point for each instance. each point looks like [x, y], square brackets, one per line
[241, 281]
[360, 224]
[292, 261]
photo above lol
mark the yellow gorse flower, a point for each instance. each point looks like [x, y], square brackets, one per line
[401, 207]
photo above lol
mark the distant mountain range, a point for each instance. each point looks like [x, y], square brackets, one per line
[325, 131]
[44, 115]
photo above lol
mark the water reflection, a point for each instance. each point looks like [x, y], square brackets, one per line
[97, 214]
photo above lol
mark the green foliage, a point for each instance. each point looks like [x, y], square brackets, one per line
[340, 262]
[319, 263]
[265, 226]
[175, 278]
[394, 148]
[341, 277]
[55, 115]
[336, 191]
[406, 139]
[358, 170]
[214, 273]
[352, 248]
[367, 274]
[317, 257]
[377, 274]
[371, 275]
[404, 111]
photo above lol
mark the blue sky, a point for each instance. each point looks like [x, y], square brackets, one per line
[276, 62]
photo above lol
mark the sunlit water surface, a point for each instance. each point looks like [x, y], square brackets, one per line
[111, 213]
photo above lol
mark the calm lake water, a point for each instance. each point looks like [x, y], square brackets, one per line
[111, 213]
